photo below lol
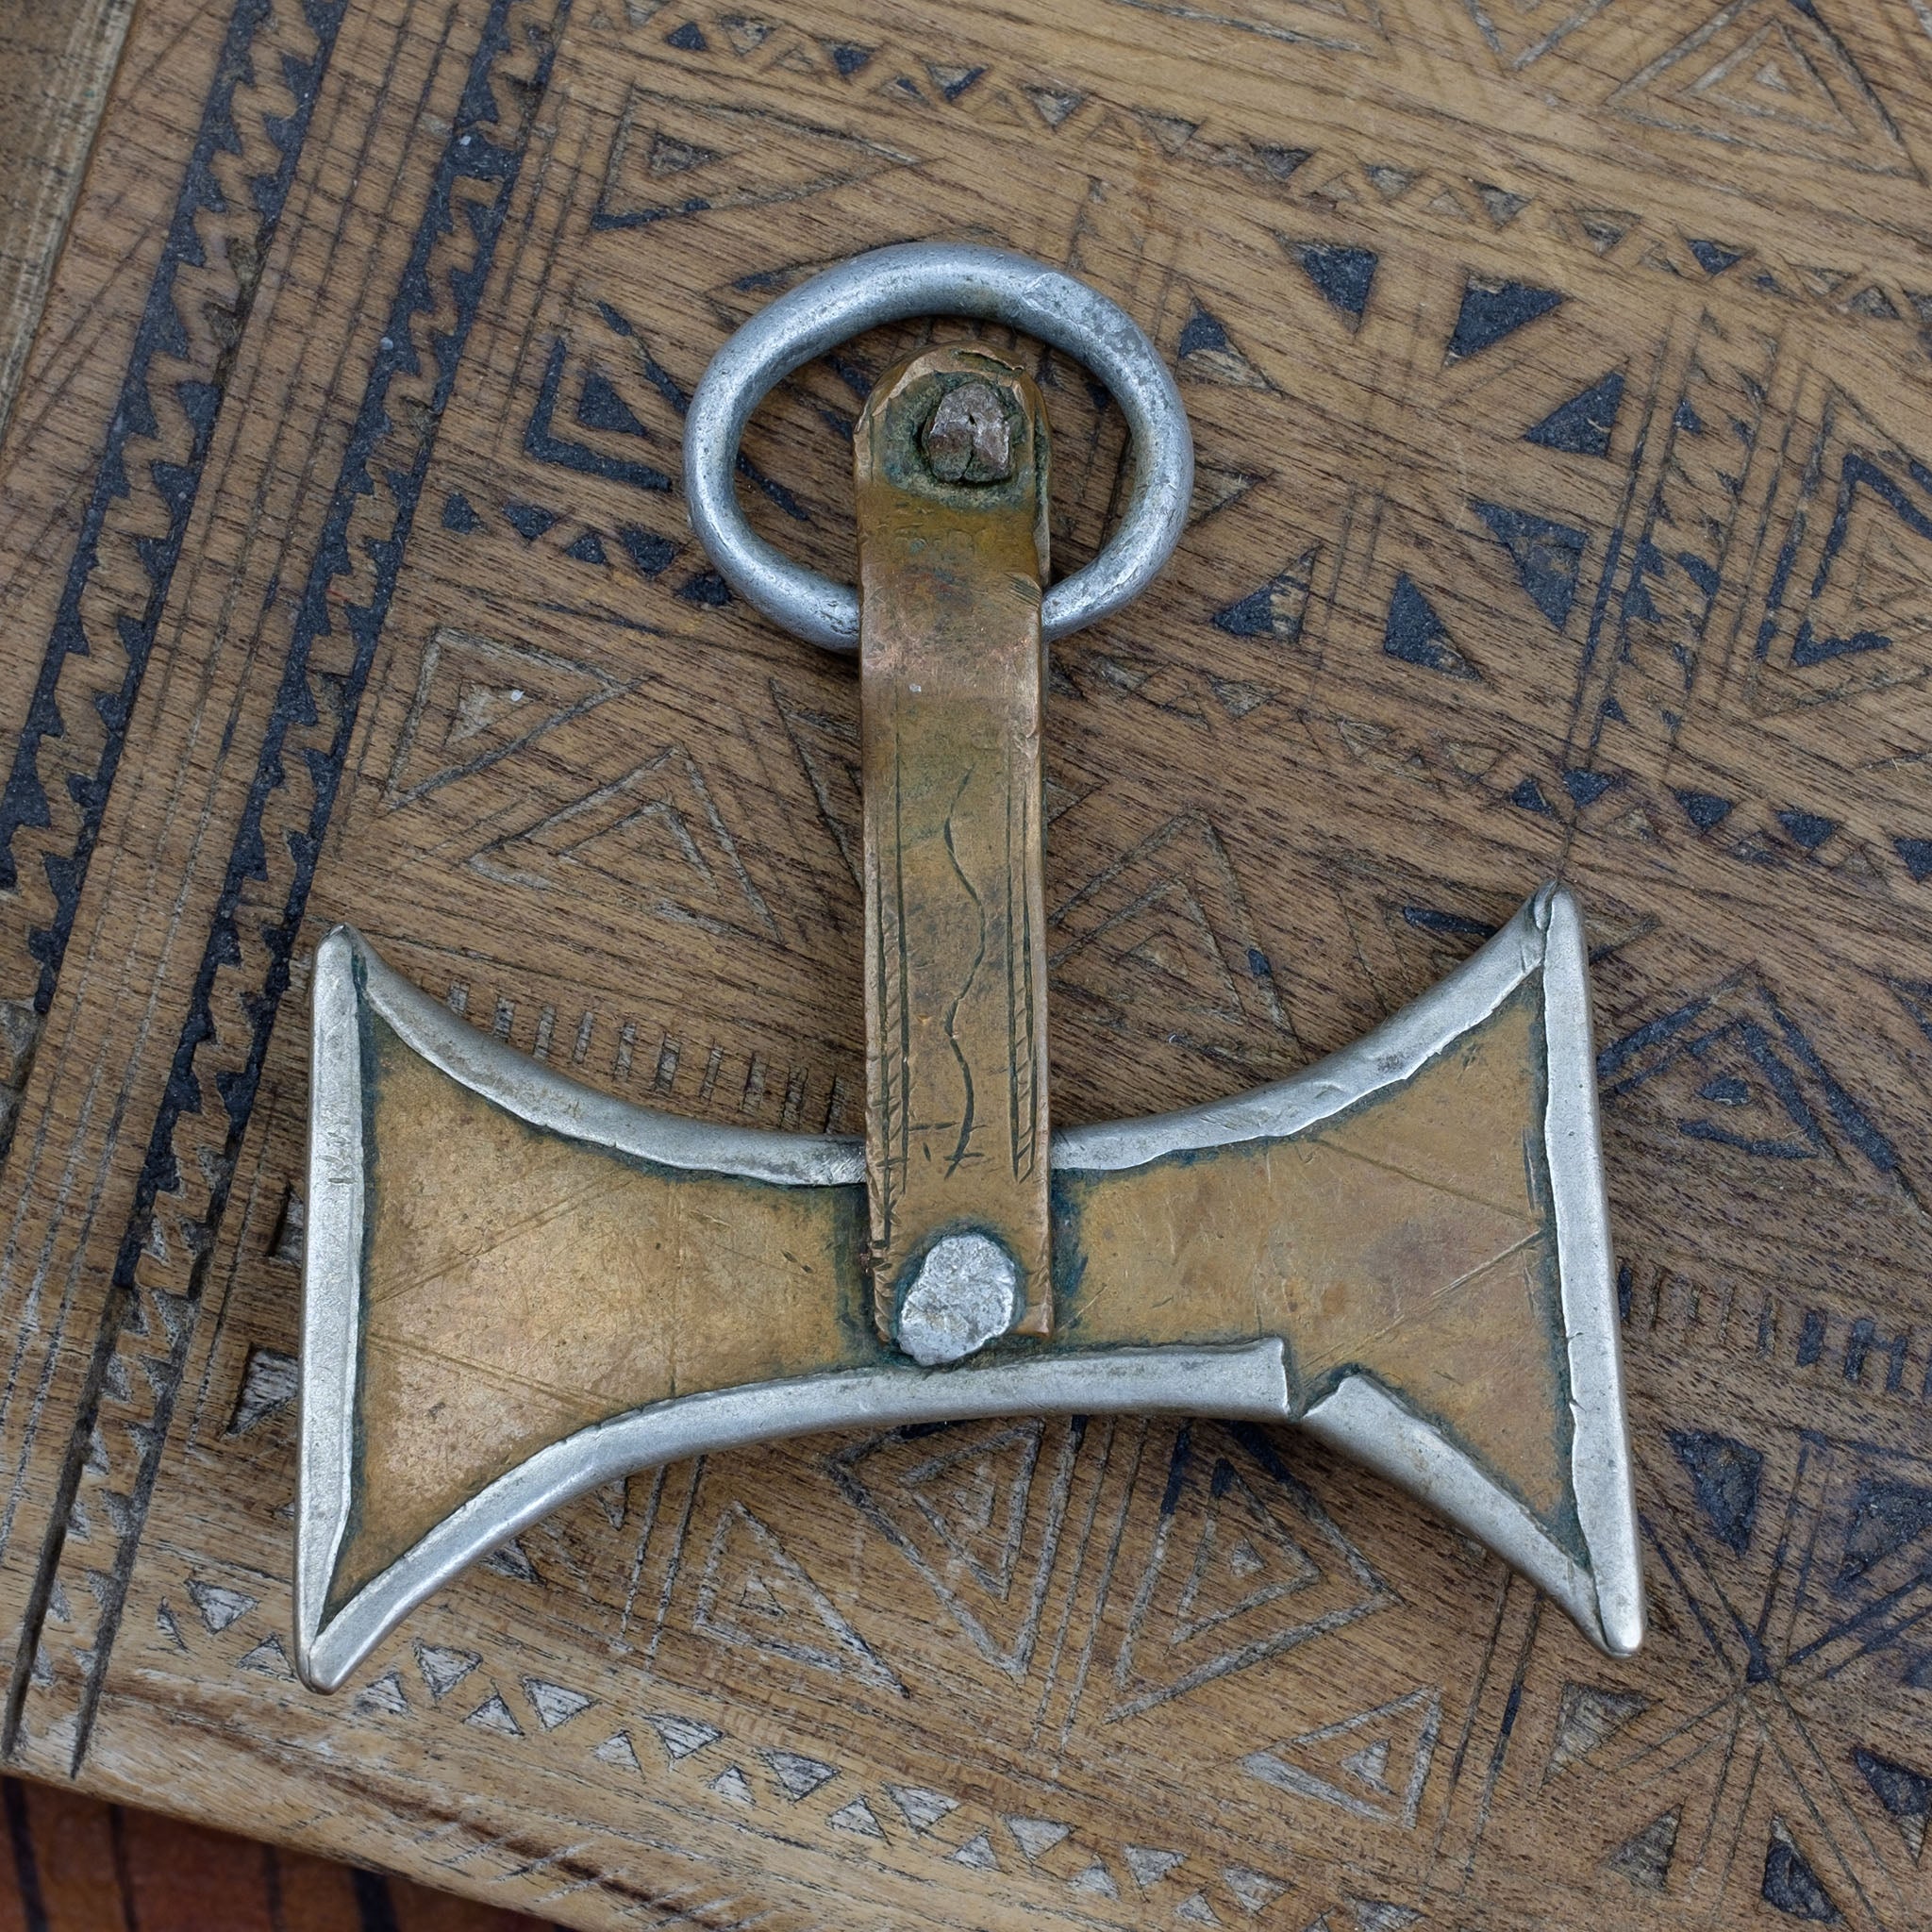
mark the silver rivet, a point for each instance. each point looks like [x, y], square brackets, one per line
[964, 1294]
[968, 438]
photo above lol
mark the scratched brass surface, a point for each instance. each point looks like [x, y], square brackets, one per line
[1411, 1236]
[951, 688]
[520, 1285]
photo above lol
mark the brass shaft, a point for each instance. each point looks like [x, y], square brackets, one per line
[952, 686]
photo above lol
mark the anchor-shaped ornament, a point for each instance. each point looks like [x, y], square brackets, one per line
[519, 1289]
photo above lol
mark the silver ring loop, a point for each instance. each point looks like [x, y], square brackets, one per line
[935, 278]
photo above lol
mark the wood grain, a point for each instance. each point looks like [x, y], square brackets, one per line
[70, 1863]
[1559, 373]
[56, 56]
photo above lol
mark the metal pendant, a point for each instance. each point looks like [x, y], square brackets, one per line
[519, 1289]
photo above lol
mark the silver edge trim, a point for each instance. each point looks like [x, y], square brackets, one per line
[553, 1101]
[1358, 1417]
[331, 1278]
[1600, 1442]
[1394, 1052]
[1249, 1381]
[1363, 1422]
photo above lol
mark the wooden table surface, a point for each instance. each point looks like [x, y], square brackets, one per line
[1559, 372]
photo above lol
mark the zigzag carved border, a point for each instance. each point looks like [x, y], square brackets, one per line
[142, 1349]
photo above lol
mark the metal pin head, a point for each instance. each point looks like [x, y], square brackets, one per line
[968, 438]
[962, 1295]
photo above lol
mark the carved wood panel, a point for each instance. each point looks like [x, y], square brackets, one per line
[1558, 370]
